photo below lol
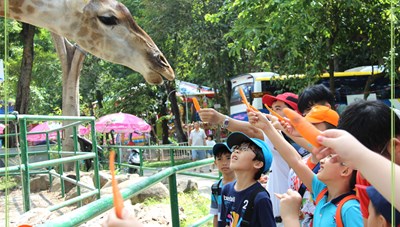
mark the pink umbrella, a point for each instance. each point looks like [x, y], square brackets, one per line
[43, 127]
[121, 123]
[2, 127]
[49, 125]
[82, 130]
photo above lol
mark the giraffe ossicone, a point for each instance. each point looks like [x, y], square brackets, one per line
[104, 28]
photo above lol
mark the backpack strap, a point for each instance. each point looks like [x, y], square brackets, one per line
[339, 221]
[340, 201]
[320, 195]
[248, 213]
[216, 189]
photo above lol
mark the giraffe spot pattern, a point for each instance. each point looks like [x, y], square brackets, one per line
[30, 9]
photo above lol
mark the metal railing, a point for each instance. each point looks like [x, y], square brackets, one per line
[91, 210]
[25, 167]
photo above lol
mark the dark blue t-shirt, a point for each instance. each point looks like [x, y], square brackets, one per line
[234, 205]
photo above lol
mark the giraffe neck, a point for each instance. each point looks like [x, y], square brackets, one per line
[58, 16]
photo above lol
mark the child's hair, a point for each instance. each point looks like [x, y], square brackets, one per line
[259, 157]
[220, 153]
[370, 123]
[316, 94]
[211, 136]
[353, 180]
[220, 149]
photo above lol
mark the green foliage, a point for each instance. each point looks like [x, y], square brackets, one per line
[157, 164]
[7, 183]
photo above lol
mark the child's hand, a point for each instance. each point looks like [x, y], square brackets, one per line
[210, 115]
[275, 122]
[289, 129]
[259, 119]
[128, 218]
[290, 203]
[336, 141]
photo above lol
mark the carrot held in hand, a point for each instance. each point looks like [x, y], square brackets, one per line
[307, 130]
[118, 200]
[196, 104]
[244, 100]
[271, 111]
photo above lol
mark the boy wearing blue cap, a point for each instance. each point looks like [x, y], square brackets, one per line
[245, 202]
[380, 210]
[222, 159]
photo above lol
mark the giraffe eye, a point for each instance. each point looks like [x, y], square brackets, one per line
[108, 20]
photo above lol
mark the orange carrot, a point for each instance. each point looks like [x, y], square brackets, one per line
[280, 118]
[118, 200]
[196, 104]
[304, 127]
[244, 99]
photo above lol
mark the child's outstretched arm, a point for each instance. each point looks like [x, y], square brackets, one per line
[286, 150]
[357, 156]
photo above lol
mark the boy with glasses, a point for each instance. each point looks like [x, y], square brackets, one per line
[333, 182]
[245, 202]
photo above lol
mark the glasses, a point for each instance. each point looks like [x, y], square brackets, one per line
[242, 147]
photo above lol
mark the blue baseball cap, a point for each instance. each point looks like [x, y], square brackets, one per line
[383, 206]
[237, 138]
[220, 147]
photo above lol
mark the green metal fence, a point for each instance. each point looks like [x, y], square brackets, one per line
[91, 210]
[25, 168]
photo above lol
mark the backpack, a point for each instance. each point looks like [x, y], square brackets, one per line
[339, 204]
[216, 189]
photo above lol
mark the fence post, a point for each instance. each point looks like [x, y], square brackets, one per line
[141, 161]
[25, 162]
[173, 195]
[171, 156]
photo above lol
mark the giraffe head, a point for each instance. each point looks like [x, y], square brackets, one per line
[109, 32]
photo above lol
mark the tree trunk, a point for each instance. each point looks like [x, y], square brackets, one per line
[71, 58]
[23, 90]
[164, 124]
[170, 86]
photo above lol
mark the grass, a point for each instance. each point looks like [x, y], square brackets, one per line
[157, 164]
[195, 207]
[10, 183]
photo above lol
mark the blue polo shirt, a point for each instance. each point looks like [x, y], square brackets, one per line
[325, 211]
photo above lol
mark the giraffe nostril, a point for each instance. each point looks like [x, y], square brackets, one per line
[161, 59]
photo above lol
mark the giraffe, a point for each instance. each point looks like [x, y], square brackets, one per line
[104, 28]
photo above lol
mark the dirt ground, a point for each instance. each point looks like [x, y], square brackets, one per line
[42, 199]
[45, 199]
